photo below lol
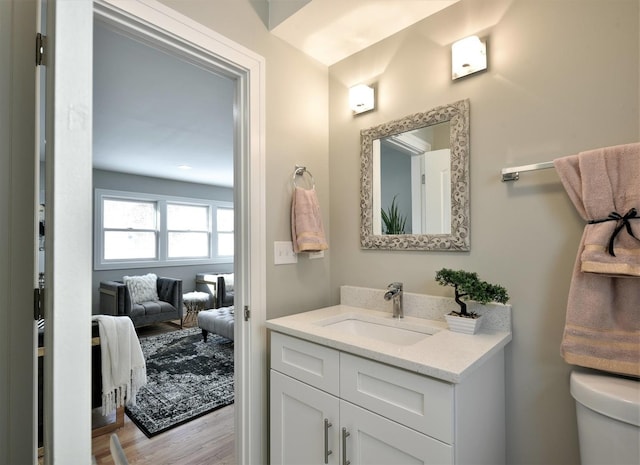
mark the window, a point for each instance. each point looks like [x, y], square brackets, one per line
[225, 231]
[188, 231]
[130, 229]
[139, 230]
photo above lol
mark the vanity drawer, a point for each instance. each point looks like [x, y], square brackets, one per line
[419, 402]
[310, 363]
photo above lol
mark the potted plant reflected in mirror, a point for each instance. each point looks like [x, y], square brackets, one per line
[468, 286]
[394, 221]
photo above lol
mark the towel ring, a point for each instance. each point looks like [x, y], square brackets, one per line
[300, 171]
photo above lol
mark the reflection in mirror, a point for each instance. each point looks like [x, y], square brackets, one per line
[415, 181]
[412, 176]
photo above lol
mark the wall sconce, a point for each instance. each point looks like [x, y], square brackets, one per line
[361, 98]
[468, 56]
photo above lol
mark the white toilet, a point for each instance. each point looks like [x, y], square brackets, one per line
[608, 410]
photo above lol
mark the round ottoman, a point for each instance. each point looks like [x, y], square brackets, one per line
[219, 321]
[194, 302]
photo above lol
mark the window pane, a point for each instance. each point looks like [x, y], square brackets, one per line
[225, 219]
[225, 244]
[121, 245]
[187, 217]
[124, 214]
[188, 244]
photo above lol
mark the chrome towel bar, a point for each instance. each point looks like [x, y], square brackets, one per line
[513, 174]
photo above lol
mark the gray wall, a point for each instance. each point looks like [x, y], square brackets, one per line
[132, 183]
[562, 78]
[17, 197]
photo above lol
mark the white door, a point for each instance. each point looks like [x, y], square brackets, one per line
[67, 401]
[304, 423]
[369, 439]
[437, 167]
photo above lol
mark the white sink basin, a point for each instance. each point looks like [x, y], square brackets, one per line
[393, 331]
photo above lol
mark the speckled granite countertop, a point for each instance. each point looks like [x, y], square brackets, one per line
[444, 354]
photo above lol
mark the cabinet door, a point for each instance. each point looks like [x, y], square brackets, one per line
[375, 440]
[298, 413]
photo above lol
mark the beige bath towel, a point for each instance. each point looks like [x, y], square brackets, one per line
[124, 370]
[602, 328]
[604, 186]
[306, 222]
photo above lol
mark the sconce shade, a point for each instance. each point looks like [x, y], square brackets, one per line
[361, 98]
[468, 56]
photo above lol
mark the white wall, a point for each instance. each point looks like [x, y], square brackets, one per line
[563, 77]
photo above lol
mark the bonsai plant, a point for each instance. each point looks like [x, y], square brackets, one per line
[394, 222]
[468, 286]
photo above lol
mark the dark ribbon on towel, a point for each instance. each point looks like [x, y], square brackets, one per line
[623, 223]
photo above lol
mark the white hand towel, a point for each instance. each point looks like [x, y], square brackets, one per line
[124, 370]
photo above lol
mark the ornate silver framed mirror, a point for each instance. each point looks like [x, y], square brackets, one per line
[415, 181]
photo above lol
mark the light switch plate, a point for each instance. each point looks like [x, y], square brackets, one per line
[283, 253]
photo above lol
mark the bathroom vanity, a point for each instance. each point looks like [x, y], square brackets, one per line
[354, 386]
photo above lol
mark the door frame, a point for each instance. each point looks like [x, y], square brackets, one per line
[69, 189]
[166, 28]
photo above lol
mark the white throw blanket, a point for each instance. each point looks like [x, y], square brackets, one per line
[124, 370]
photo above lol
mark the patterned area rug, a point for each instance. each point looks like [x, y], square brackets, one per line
[186, 378]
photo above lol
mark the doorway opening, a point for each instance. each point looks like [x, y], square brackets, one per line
[171, 33]
[163, 142]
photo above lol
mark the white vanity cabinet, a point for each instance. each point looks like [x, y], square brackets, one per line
[332, 407]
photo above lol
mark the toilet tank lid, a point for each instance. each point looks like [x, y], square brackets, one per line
[613, 396]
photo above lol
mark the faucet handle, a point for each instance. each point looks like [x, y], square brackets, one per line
[395, 285]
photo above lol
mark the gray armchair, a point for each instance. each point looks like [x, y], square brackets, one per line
[116, 300]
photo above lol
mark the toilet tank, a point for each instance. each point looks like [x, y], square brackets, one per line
[608, 414]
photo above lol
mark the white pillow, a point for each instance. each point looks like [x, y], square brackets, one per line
[142, 288]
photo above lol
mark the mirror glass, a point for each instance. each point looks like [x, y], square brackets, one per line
[414, 181]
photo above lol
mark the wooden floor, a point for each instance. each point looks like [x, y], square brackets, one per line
[207, 440]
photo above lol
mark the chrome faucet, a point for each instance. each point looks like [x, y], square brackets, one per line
[394, 291]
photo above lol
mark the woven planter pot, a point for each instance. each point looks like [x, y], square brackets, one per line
[460, 324]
